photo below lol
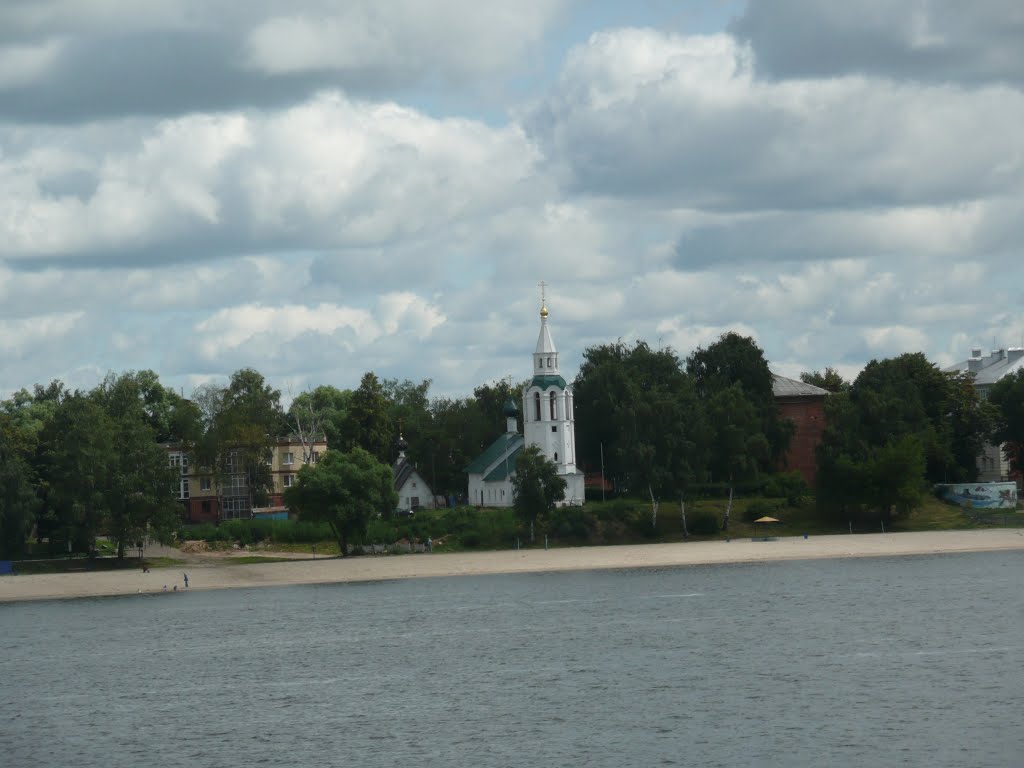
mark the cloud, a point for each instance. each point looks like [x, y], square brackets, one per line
[194, 187]
[933, 41]
[329, 173]
[178, 56]
[683, 121]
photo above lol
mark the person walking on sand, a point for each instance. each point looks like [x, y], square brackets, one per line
[186, 580]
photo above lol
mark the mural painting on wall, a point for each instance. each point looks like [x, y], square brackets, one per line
[983, 496]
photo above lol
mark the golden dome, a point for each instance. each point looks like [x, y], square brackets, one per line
[543, 310]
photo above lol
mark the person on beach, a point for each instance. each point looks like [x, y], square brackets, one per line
[186, 580]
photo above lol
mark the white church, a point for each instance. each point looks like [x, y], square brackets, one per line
[548, 423]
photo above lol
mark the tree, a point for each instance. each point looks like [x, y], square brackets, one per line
[241, 422]
[345, 490]
[78, 457]
[830, 380]
[908, 395]
[17, 499]
[324, 409]
[737, 360]
[370, 427]
[903, 423]
[639, 410]
[458, 433]
[536, 487]
[142, 495]
[1007, 396]
[141, 394]
[408, 413]
[738, 447]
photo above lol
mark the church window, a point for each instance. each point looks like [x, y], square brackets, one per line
[551, 400]
[536, 406]
[549, 362]
[556, 455]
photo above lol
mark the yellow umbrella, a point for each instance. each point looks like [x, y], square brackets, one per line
[765, 521]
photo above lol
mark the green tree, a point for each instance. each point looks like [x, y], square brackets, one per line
[17, 497]
[830, 380]
[639, 411]
[141, 394]
[324, 410]
[491, 399]
[370, 427]
[345, 490]
[78, 448]
[459, 432]
[1007, 397]
[241, 422]
[408, 412]
[536, 487]
[737, 360]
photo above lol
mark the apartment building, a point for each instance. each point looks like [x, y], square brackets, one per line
[208, 498]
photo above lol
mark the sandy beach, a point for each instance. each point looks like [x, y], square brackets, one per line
[219, 574]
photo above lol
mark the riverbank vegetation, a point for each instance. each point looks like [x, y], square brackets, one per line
[659, 429]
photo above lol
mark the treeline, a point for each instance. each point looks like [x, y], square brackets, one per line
[78, 464]
[664, 427]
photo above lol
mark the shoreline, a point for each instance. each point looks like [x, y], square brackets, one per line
[220, 575]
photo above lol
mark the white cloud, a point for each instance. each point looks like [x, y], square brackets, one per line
[889, 341]
[328, 202]
[459, 38]
[684, 121]
[21, 335]
[22, 65]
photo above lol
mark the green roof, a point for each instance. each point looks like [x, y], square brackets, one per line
[493, 452]
[504, 468]
[548, 381]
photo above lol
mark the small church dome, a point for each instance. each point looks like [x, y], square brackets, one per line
[510, 409]
[401, 444]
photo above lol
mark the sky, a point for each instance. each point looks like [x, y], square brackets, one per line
[321, 188]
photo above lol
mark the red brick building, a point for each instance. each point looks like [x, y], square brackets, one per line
[804, 405]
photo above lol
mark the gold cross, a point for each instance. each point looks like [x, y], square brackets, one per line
[542, 285]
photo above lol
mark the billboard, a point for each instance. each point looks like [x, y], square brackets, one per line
[981, 495]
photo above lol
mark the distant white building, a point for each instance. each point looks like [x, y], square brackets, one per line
[548, 423]
[987, 370]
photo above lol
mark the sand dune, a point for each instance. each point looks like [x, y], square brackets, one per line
[220, 575]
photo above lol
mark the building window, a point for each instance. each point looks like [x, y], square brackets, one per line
[551, 399]
[414, 485]
[536, 406]
[178, 459]
[289, 480]
[287, 459]
[183, 490]
[205, 484]
[554, 428]
[556, 455]
[314, 457]
[549, 362]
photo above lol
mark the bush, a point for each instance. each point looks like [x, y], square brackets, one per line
[760, 508]
[703, 522]
[574, 523]
[790, 486]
